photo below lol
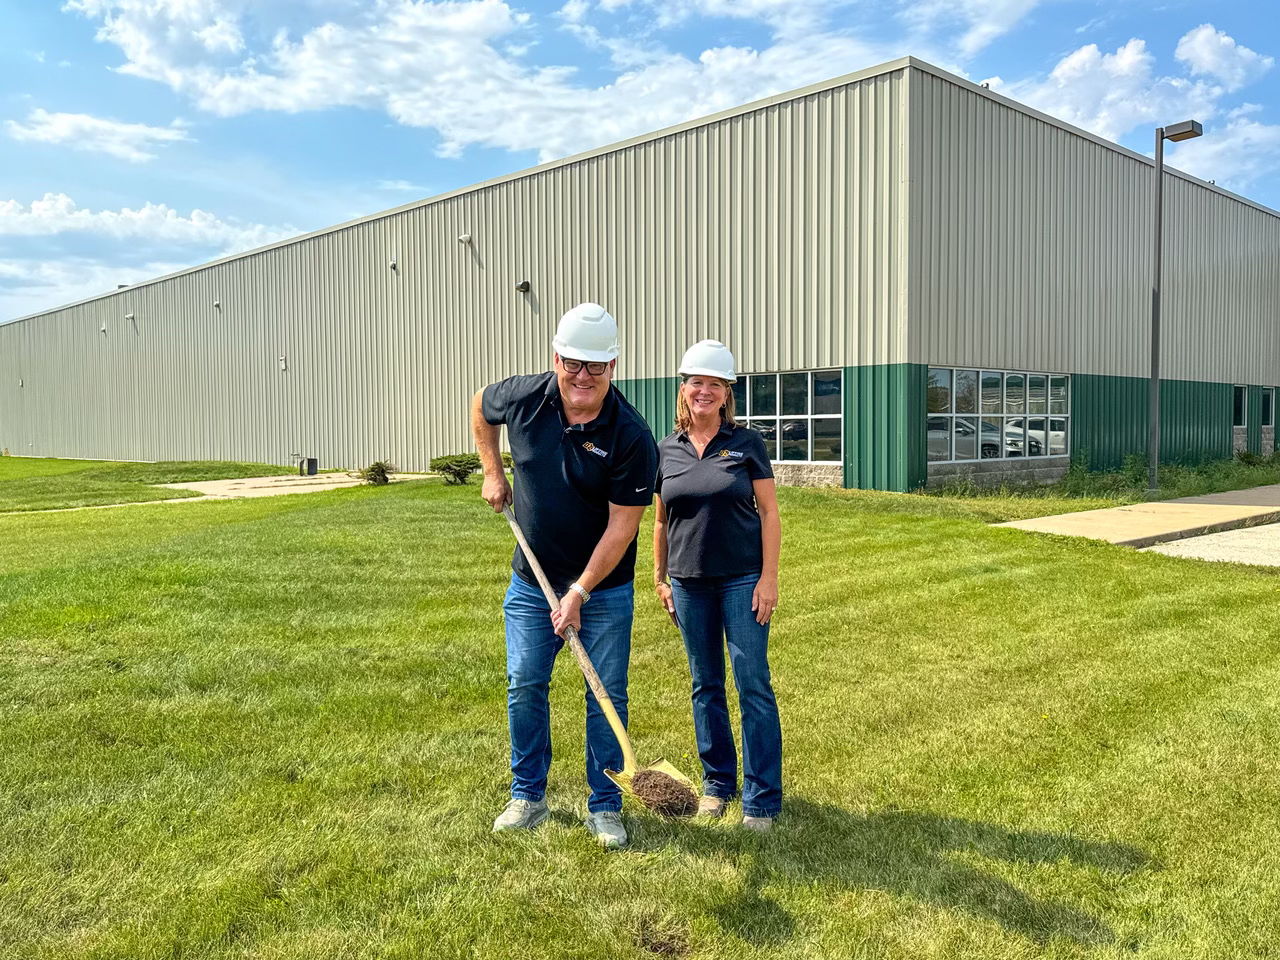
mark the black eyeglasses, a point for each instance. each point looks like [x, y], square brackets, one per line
[595, 368]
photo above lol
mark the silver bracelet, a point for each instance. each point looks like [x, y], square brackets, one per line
[580, 590]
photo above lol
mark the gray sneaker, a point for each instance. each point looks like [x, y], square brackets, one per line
[758, 824]
[606, 826]
[521, 815]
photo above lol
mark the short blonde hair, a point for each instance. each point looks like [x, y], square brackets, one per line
[684, 418]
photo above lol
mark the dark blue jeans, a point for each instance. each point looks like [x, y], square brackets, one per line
[713, 610]
[532, 646]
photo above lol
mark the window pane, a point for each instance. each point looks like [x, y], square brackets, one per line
[826, 439]
[966, 391]
[1015, 393]
[1037, 401]
[992, 401]
[989, 438]
[1037, 442]
[1015, 430]
[1057, 436]
[795, 439]
[1237, 417]
[764, 395]
[1058, 395]
[826, 392]
[740, 397]
[966, 438]
[795, 393]
[1268, 408]
[939, 438]
[939, 390]
[769, 430]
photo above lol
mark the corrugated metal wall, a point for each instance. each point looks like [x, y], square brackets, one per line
[781, 231]
[1031, 249]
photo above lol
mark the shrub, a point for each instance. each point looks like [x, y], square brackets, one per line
[457, 467]
[1250, 459]
[377, 473]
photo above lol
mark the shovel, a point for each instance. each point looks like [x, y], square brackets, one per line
[630, 767]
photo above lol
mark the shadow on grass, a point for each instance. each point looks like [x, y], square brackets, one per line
[913, 854]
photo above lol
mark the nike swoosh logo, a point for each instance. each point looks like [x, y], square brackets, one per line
[641, 489]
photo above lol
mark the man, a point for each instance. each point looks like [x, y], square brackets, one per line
[585, 463]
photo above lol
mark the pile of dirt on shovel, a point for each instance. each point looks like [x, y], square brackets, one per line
[663, 794]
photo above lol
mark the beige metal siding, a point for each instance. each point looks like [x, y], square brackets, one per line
[780, 230]
[1033, 250]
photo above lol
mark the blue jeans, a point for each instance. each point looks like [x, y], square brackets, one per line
[712, 610]
[532, 646]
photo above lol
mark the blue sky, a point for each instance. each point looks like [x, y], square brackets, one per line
[141, 136]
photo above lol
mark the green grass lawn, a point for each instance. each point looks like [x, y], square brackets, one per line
[275, 728]
[38, 484]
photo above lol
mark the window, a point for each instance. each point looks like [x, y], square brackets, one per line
[1269, 407]
[800, 414]
[1239, 415]
[996, 414]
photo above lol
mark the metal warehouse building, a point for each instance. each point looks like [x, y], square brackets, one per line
[919, 276]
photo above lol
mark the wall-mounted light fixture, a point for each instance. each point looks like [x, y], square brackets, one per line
[523, 286]
[464, 238]
[103, 328]
[393, 264]
[20, 383]
[284, 362]
[128, 316]
[217, 304]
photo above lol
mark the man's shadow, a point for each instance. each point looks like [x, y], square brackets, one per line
[925, 856]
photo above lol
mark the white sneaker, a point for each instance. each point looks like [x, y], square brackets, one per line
[759, 824]
[521, 814]
[606, 826]
[710, 807]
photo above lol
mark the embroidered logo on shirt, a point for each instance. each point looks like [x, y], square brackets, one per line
[592, 448]
[731, 453]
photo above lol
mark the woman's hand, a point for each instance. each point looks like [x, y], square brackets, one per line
[663, 590]
[764, 599]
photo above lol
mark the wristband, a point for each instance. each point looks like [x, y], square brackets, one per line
[580, 590]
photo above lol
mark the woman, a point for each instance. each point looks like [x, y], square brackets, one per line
[716, 535]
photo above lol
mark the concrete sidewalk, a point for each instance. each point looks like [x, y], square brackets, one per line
[278, 485]
[1144, 524]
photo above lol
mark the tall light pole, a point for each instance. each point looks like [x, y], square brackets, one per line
[1186, 130]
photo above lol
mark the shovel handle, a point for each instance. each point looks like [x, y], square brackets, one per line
[579, 651]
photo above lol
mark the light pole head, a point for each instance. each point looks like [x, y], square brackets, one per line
[1186, 130]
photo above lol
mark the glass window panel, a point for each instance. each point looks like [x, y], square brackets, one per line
[939, 438]
[826, 440]
[1238, 415]
[795, 393]
[1058, 395]
[826, 392]
[989, 437]
[966, 437]
[966, 391]
[740, 397]
[1057, 436]
[795, 440]
[992, 400]
[1268, 408]
[764, 395]
[1037, 442]
[1015, 393]
[1037, 393]
[1015, 436]
[939, 390]
[769, 430]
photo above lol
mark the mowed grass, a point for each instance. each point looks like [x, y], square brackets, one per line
[276, 729]
[45, 484]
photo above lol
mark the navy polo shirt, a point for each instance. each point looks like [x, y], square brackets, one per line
[566, 475]
[713, 527]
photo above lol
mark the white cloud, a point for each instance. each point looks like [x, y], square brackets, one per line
[1234, 156]
[29, 286]
[155, 224]
[1211, 52]
[982, 21]
[80, 131]
[402, 186]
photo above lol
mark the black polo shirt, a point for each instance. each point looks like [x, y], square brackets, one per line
[713, 527]
[567, 475]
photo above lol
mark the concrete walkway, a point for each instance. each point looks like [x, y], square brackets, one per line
[1256, 545]
[278, 485]
[1145, 524]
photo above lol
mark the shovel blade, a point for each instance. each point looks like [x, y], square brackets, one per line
[623, 777]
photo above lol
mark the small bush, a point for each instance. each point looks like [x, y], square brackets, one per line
[457, 467]
[1250, 459]
[377, 473]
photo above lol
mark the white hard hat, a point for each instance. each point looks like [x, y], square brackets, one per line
[587, 332]
[708, 358]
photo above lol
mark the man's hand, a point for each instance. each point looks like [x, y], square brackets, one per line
[568, 614]
[496, 491]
